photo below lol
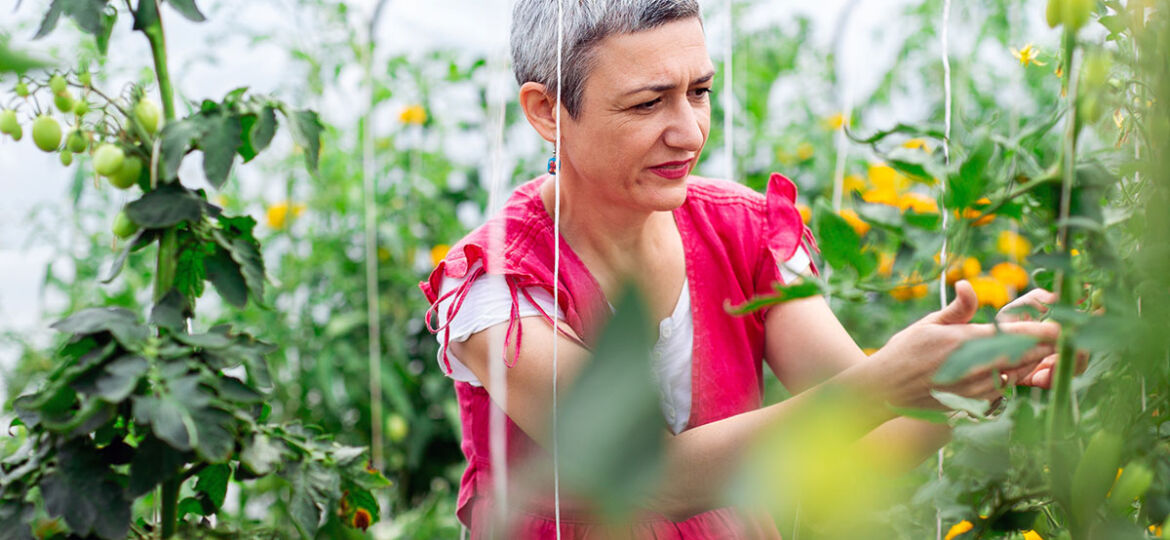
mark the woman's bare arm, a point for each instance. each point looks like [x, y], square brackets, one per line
[700, 460]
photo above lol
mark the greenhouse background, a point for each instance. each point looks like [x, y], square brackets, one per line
[866, 105]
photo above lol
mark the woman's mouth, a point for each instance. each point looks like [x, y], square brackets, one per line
[672, 170]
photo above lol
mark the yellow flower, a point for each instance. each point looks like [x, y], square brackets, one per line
[1155, 530]
[884, 177]
[805, 212]
[855, 221]
[1027, 55]
[880, 196]
[804, 151]
[911, 287]
[1118, 118]
[959, 528]
[413, 114]
[1074, 252]
[853, 182]
[977, 214]
[438, 253]
[1010, 274]
[835, 121]
[277, 215]
[918, 202]
[1032, 535]
[990, 291]
[885, 264]
[1013, 245]
[967, 268]
[918, 144]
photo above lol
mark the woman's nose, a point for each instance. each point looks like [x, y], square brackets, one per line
[685, 130]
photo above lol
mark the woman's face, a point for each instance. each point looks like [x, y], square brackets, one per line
[644, 117]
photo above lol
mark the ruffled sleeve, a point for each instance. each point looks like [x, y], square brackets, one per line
[784, 235]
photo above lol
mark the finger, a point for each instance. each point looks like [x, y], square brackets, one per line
[1038, 299]
[1046, 331]
[1042, 378]
[1041, 373]
[961, 309]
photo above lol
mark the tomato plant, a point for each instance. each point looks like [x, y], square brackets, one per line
[136, 406]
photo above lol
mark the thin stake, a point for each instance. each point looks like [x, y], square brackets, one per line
[557, 264]
[942, 255]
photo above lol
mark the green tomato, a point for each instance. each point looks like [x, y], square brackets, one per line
[148, 115]
[63, 101]
[396, 428]
[46, 133]
[123, 227]
[81, 107]
[66, 158]
[1077, 12]
[8, 123]
[21, 89]
[107, 159]
[128, 173]
[84, 78]
[1135, 480]
[1095, 472]
[17, 134]
[76, 142]
[57, 84]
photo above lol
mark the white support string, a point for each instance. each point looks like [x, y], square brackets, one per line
[557, 264]
[728, 95]
[942, 256]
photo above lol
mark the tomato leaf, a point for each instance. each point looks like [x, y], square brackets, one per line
[261, 455]
[213, 481]
[120, 377]
[177, 139]
[14, 519]
[121, 323]
[225, 274]
[969, 183]
[315, 489]
[258, 130]
[978, 352]
[166, 206]
[88, 14]
[306, 131]
[154, 462]
[611, 440]
[168, 411]
[220, 137]
[840, 245]
[85, 492]
[187, 9]
[146, 15]
[140, 239]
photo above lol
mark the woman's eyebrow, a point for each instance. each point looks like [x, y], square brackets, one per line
[662, 87]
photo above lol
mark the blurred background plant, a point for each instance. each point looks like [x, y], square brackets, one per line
[875, 181]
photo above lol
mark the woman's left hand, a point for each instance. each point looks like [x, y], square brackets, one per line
[1021, 309]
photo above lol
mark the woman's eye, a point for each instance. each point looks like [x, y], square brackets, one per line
[647, 105]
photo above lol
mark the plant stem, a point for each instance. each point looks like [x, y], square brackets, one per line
[168, 246]
[170, 505]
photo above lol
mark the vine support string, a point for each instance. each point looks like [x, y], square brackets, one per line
[557, 265]
[942, 254]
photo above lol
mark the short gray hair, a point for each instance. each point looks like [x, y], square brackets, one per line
[586, 23]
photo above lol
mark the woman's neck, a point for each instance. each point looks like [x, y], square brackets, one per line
[617, 237]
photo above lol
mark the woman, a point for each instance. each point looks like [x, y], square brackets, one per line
[634, 115]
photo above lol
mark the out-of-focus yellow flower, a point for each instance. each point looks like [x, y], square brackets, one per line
[884, 177]
[855, 221]
[911, 287]
[805, 212]
[967, 268]
[1013, 245]
[1074, 252]
[918, 144]
[959, 528]
[835, 121]
[383, 254]
[885, 264]
[1010, 274]
[805, 151]
[278, 214]
[918, 202]
[438, 253]
[1027, 55]
[413, 114]
[221, 200]
[1118, 118]
[880, 196]
[1032, 535]
[784, 156]
[990, 291]
[1155, 530]
[853, 182]
[977, 214]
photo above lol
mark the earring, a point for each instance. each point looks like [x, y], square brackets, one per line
[552, 165]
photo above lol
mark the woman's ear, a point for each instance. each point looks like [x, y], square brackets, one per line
[540, 109]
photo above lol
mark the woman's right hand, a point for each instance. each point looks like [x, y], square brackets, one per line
[906, 365]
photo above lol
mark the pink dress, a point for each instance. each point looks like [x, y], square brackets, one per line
[733, 240]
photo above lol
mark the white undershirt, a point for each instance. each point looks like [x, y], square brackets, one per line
[489, 302]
